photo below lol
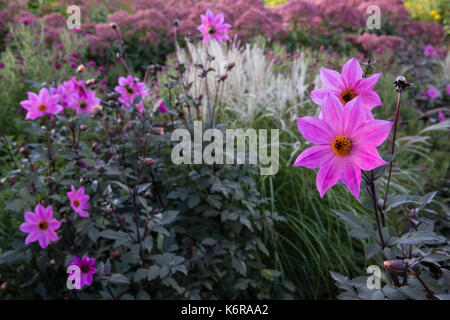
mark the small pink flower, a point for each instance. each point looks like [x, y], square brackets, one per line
[79, 201]
[41, 104]
[130, 88]
[447, 90]
[430, 51]
[162, 108]
[40, 226]
[441, 116]
[213, 26]
[433, 93]
[2, 64]
[86, 271]
[348, 85]
[345, 143]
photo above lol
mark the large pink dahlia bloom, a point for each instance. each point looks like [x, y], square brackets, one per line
[85, 272]
[39, 105]
[129, 89]
[40, 226]
[213, 27]
[345, 141]
[348, 85]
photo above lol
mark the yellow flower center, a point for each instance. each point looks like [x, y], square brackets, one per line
[43, 225]
[76, 203]
[347, 95]
[42, 107]
[341, 145]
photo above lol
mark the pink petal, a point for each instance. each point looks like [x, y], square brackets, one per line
[31, 217]
[315, 130]
[28, 227]
[351, 176]
[219, 19]
[367, 158]
[353, 117]
[332, 79]
[32, 237]
[318, 94]
[332, 112]
[371, 100]
[351, 72]
[314, 157]
[55, 224]
[365, 85]
[328, 175]
[372, 134]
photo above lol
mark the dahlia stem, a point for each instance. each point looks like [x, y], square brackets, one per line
[377, 218]
[425, 286]
[399, 100]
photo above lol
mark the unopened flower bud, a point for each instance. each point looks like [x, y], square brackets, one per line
[148, 195]
[110, 210]
[230, 66]
[113, 25]
[158, 131]
[176, 23]
[84, 127]
[23, 151]
[52, 262]
[148, 162]
[116, 254]
[396, 267]
[81, 68]
[223, 77]
[90, 82]
[4, 286]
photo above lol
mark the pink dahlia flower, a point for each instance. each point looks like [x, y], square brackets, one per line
[40, 226]
[85, 272]
[348, 85]
[432, 93]
[79, 201]
[130, 88]
[213, 26]
[42, 104]
[345, 141]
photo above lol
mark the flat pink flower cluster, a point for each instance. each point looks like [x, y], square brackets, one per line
[346, 134]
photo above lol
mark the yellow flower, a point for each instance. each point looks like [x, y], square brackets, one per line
[437, 16]
[433, 12]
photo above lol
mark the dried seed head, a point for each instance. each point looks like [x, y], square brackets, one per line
[97, 110]
[230, 66]
[176, 23]
[113, 25]
[223, 77]
[400, 83]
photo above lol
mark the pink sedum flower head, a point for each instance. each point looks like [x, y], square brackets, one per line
[129, 88]
[348, 85]
[429, 50]
[39, 105]
[345, 141]
[432, 93]
[213, 27]
[86, 271]
[40, 226]
[447, 90]
[79, 201]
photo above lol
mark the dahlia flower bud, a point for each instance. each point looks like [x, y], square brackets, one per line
[148, 162]
[148, 195]
[223, 77]
[23, 151]
[230, 66]
[158, 131]
[176, 23]
[84, 127]
[110, 210]
[91, 82]
[95, 145]
[397, 267]
[113, 25]
[116, 254]
[4, 286]
[52, 262]
[81, 68]
[400, 83]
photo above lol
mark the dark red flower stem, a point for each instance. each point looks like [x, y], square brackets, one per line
[399, 101]
[425, 287]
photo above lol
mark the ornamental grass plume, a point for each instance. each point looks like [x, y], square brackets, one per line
[345, 141]
[86, 271]
[79, 201]
[213, 27]
[40, 226]
[348, 85]
[39, 105]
